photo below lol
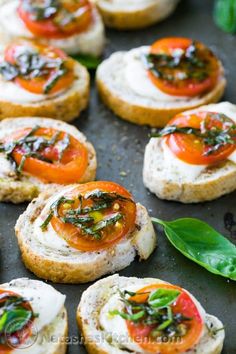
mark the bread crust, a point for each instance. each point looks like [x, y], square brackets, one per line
[73, 267]
[66, 106]
[211, 184]
[92, 301]
[128, 109]
[61, 346]
[135, 18]
[26, 188]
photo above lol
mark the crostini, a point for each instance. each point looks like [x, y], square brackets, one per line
[73, 26]
[131, 315]
[84, 231]
[150, 84]
[40, 80]
[33, 318]
[38, 153]
[193, 159]
[134, 14]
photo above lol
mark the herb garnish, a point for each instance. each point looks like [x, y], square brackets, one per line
[14, 315]
[156, 311]
[214, 138]
[83, 217]
[33, 147]
[181, 65]
[53, 9]
[41, 10]
[30, 65]
[202, 244]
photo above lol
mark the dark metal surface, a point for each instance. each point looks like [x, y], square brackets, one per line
[120, 148]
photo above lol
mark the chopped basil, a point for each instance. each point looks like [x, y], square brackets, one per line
[63, 145]
[162, 297]
[30, 65]
[181, 65]
[214, 138]
[84, 218]
[61, 71]
[33, 147]
[156, 311]
[41, 10]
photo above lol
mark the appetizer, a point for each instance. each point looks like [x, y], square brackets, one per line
[83, 232]
[38, 153]
[134, 14]
[75, 26]
[132, 315]
[33, 318]
[150, 84]
[40, 80]
[193, 159]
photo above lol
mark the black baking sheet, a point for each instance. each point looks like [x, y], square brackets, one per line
[120, 148]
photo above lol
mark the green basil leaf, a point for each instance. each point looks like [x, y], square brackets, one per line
[89, 61]
[202, 244]
[162, 297]
[225, 15]
[15, 320]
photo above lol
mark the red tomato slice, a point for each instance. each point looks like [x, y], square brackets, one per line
[111, 234]
[189, 86]
[191, 148]
[183, 305]
[37, 84]
[54, 27]
[69, 170]
[22, 335]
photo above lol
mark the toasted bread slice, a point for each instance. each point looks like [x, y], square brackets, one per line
[89, 42]
[128, 105]
[18, 189]
[52, 337]
[98, 341]
[69, 265]
[211, 183]
[133, 14]
[64, 106]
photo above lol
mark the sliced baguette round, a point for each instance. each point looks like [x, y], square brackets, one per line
[71, 265]
[130, 14]
[18, 189]
[52, 338]
[212, 183]
[65, 106]
[97, 341]
[128, 105]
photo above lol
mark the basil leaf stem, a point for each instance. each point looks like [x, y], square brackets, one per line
[202, 244]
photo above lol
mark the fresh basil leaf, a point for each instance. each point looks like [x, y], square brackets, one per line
[202, 244]
[89, 61]
[162, 297]
[14, 320]
[225, 15]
